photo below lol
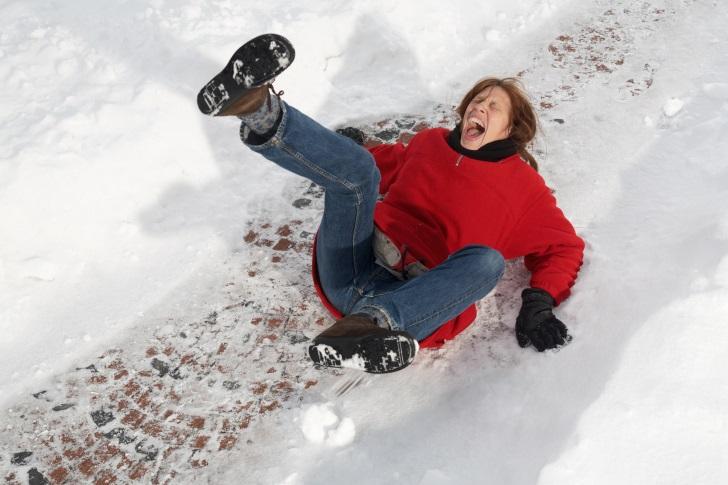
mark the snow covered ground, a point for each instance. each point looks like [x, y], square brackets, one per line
[125, 217]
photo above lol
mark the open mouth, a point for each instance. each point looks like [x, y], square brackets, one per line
[474, 128]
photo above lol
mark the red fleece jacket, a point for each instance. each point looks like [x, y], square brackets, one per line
[438, 201]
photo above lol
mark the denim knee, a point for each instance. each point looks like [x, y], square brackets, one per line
[365, 174]
[374, 178]
[486, 263]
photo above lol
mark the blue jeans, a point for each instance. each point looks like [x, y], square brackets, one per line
[349, 275]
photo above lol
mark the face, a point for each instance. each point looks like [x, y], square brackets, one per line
[487, 118]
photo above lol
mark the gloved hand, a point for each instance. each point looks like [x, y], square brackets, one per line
[536, 323]
[354, 133]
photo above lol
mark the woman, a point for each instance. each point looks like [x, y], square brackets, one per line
[405, 271]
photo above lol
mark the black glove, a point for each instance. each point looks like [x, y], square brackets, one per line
[536, 323]
[354, 133]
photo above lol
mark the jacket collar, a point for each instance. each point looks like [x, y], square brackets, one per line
[490, 152]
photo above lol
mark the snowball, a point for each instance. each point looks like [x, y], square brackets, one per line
[343, 434]
[320, 425]
[672, 107]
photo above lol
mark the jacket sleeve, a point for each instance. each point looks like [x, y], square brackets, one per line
[553, 252]
[389, 160]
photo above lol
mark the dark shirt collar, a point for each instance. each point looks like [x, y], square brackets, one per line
[490, 152]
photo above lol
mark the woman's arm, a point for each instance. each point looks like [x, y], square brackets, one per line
[553, 252]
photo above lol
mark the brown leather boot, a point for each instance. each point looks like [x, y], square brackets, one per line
[357, 342]
[248, 103]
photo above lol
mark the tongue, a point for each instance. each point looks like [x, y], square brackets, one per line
[473, 132]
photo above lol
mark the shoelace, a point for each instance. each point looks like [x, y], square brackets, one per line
[273, 90]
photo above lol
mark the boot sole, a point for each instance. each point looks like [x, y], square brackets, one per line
[257, 61]
[374, 354]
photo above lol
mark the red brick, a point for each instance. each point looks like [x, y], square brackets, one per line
[200, 442]
[137, 472]
[74, 454]
[105, 477]
[86, 467]
[284, 231]
[106, 452]
[309, 383]
[59, 474]
[198, 422]
[227, 442]
[97, 379]
[133, 418]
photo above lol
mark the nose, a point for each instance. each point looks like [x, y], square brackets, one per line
[482, 107]
[483, 110]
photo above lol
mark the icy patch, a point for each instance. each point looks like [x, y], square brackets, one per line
[673, 107]
[320, 425]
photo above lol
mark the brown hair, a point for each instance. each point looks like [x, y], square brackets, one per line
[524, 123]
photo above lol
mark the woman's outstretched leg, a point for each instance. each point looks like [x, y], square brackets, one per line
[345, 170]
[350, 178]
[299, 144]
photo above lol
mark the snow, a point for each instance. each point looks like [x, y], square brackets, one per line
[122, 208]
[673, 107]
[321, 425]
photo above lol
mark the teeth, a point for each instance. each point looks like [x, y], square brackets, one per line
[477, 122]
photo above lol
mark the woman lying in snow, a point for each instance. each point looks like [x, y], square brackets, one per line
[404, 272]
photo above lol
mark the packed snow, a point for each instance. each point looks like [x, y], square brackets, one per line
[122, 207]
[320, 424]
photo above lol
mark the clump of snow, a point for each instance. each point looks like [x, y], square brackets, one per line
[321, 425]
[673, 107]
